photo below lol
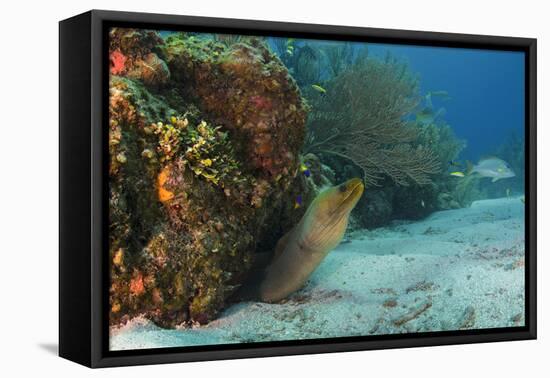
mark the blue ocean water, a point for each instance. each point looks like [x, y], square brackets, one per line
[486, 89]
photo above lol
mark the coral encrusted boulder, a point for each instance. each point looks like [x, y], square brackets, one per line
[204, 143]
[246, 89]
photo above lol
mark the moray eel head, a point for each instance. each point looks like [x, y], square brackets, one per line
[302, 249]
[326, 219]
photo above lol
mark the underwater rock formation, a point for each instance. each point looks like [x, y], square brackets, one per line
[260, 100]
[416, 202]
[132, 54]
[375, 208]
[203, 141]
[446, 201]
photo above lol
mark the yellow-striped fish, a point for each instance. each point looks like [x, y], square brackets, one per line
[457, 174]
[319, 89]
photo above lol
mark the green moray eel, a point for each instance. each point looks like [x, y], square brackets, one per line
[302, 249]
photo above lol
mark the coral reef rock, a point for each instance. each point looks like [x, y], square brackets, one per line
[446, 202]
[261, 103]
[375, 208]
[204, 145]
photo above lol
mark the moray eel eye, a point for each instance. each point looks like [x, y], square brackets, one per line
[343, 188]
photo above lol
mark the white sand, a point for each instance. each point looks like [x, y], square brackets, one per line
[456, 269]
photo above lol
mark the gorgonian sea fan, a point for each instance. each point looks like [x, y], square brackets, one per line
[363, 118]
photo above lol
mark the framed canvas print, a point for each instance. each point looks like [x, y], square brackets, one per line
[234, 188]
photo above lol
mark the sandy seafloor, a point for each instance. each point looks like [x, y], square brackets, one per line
[456, 269]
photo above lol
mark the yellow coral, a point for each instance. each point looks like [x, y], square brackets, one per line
[118, 258]
[169, 140]
[182, 123]
[206, 152]
[201, 128]
[147, 153]
[121, 158]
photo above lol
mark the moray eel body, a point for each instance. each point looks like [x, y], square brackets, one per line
[303, 248]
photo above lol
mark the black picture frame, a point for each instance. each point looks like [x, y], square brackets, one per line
[83, 266]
